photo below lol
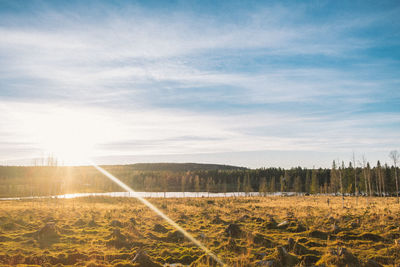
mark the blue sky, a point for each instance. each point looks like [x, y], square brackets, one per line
[250, 83]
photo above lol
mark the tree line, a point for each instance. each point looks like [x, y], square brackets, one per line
[352, 178]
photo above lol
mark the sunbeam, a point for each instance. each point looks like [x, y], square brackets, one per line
[159, 213]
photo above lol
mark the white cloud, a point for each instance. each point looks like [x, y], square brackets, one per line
[110, 132]
[138, 48]
[137, 65]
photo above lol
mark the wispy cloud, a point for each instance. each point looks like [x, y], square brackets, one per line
[272, 78]
[160, 132]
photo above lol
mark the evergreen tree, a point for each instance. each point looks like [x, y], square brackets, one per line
[287, 181]
[334, 179]
[247, 185]
[297, 185]
[224, 187]
[308, 182]
[183, 183]
[165, 185]
[314, 182]
[262, 189]
[197, 184]
[283, 184]
[273, 183]
[239, 186]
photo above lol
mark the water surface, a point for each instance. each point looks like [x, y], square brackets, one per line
[151, 195]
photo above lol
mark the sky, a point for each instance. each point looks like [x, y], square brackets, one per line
[247, 83]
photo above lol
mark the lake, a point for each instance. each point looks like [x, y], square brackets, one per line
[151, 195]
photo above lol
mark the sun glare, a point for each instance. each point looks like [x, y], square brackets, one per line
[68, 135]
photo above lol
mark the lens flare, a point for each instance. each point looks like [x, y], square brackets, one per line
[159, 213]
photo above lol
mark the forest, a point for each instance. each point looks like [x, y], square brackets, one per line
[341, 178]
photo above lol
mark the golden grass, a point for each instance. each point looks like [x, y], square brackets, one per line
[275, 231]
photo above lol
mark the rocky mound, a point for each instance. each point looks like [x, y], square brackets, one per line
[159, 228]
[116, 223]
[233, 230]
[260, 239]
[270, 223]
[48, 234]
[117, 239]
[339, 257]
[281, 258]
[141, 259]
[175, 237]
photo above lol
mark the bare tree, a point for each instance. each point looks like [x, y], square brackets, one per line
[369, 178]
[394, 155]
[355, 176]
[381, 179]
[262, 188]
[341, 181]
[378, 182]
[364, 172]
[334, 179]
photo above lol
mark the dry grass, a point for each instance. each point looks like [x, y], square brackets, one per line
[270, 231]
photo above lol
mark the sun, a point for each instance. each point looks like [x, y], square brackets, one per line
[68, 135]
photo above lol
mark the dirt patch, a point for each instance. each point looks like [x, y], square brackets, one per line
[132, 221]
[281, 258]
[116, 223]
[313, 244]
[297, 248]
[308, 260]
[339, 257]
[4, 238]
[205, 260]
[80, 223]
[233, 230]
[92, 223]
[302, 240]
[233, 245]
[260, 239]
[258, 219]
[318, 234]
[370, 236]
[345, 236]
[117, 239]
[296, 227]
[187, 259]
[270, 223]
[218, 220]
[48, 234]
[141, 259]
[175, 237]
[372, 263]
[160, 228]
[244, 218]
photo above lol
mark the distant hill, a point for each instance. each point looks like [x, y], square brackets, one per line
[182, 167]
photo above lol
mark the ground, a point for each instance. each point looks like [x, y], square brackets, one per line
[252, 231]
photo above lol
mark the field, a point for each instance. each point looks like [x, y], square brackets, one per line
[253, 231]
